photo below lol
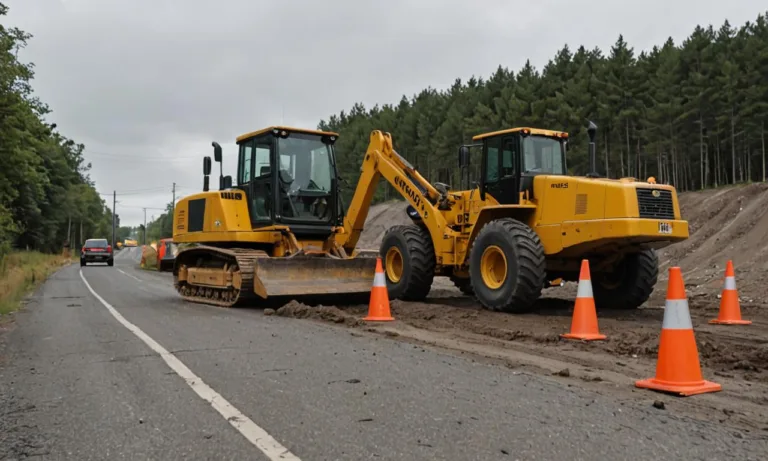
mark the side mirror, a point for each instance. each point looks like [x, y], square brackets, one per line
[226, 182]
[216, 151]
[463, 156]
[206, 184]
[206, 165]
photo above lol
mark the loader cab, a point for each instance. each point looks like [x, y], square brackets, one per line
[289, 177]
[513, 158]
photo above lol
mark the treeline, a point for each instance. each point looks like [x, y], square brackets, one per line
[46, 196]
[160, 227]
[693, 115]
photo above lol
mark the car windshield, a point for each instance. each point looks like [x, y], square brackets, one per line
[543, 155]
[306, 174]
[102, 243]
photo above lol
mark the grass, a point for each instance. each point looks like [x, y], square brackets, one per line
[23, 271]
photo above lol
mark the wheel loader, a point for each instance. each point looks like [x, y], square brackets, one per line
[283, 230]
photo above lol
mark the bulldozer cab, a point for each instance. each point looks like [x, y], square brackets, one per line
[289, 177]
[512, 158]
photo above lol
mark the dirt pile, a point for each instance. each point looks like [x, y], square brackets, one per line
[381, 217]
[727, 223]
[295, 309]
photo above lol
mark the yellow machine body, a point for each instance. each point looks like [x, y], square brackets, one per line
[227, 257]
[236, 244]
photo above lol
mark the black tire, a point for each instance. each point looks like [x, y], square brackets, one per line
[630, 284]
[418, 262]
[525, 266]
[464, 285]
[111, 262]
[82, 263]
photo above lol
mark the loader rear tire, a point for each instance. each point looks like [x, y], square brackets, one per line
[507, 266]
[630, 284]
[408, 257]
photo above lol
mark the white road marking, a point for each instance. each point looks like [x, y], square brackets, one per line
[129, 275]
[250, 430]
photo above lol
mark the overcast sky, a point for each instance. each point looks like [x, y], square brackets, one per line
[142, 80]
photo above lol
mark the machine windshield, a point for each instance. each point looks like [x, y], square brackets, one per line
[543, 155]
[306, 173]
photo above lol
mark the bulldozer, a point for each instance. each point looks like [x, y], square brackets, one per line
[283, 230]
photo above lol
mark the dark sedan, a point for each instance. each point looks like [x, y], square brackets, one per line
[96, 251]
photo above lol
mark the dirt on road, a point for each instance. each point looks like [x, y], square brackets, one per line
[727, 223]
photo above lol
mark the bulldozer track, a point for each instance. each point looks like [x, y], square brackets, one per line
[244, 258]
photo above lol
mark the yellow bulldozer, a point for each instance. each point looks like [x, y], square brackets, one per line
[283, 229]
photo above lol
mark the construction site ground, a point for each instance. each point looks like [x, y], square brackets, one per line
[726, 223]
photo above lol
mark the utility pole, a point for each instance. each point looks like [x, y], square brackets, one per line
[145, 225]
[173, 203]
[114, 204]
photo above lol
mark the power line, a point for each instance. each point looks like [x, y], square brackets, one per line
[139, 157]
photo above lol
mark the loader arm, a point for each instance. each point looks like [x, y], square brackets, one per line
[381, 160]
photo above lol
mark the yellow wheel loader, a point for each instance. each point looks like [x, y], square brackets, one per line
[525, 226]
[283, 231]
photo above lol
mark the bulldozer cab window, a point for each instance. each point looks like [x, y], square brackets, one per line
[543, 155]
[246, 154]
[254, 177]
[306, 178]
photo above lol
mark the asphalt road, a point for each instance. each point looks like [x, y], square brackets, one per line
[132, 377]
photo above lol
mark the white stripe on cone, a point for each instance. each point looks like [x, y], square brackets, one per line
[677, 315]
[379, 280]
[730, 283]
[585, 289]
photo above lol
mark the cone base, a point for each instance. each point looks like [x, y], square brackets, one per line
[700, 387]
[378, 319]
[584, 336]
[730, 322]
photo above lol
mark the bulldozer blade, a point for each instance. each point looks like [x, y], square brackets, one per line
[314, 275]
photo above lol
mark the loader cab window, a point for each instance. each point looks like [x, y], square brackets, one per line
[502, 158]
[306, 178]
[543, 155]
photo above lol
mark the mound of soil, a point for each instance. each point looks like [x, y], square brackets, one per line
[295, 309]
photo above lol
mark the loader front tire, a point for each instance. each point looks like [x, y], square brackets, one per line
[629, 284]
[507, 266]
[408, 257]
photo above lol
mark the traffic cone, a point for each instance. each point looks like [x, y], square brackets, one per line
[677, 368]
[730, 311]
[584, 322]
[378, 307]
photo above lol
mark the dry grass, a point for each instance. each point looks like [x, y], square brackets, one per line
[22, 272]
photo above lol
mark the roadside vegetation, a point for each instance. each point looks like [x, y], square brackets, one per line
[23, 271]
[47, 199]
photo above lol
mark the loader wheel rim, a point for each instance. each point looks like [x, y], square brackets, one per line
[493, 267]
[394, 261]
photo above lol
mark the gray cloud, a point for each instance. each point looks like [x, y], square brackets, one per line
[160, 79]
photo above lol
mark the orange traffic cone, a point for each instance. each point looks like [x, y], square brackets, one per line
[378, 307]
[677, 368]
[584, 322]
[730, 311]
